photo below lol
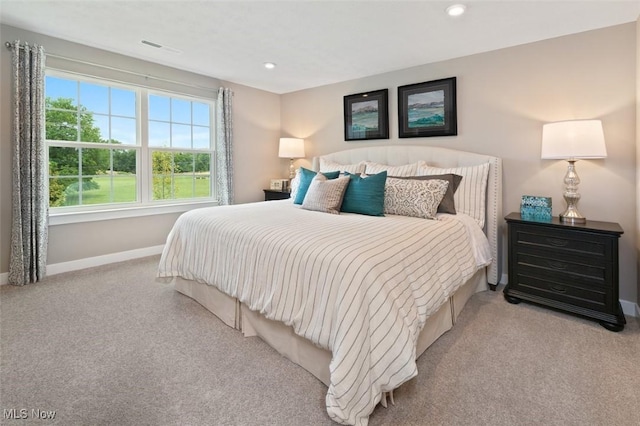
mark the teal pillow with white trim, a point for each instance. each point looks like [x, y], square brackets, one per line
[306, 176]
[365, 195]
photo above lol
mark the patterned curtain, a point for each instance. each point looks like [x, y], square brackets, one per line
[30, 196]
[224, 146]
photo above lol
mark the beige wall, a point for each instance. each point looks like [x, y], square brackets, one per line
[504, 97]
[257, 128]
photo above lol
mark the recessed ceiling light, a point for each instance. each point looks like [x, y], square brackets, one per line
[269, 65]
[456, 9]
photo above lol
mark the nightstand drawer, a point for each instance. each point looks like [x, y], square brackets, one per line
[584, 272]
[561, 242]
[590, 298]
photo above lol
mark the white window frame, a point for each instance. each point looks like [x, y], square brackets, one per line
[145, 205]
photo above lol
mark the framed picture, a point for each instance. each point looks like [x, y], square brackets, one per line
[366, 116]
[428, 109]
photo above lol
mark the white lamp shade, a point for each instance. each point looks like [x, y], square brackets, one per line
[291, 148]
[575, 139]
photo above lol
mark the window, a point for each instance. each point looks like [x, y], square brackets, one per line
[113, 145]
[180, 141]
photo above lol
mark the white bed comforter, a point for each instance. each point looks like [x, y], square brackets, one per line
[359, 286]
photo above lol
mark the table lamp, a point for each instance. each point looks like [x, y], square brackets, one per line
[291, 148]
[572, 141]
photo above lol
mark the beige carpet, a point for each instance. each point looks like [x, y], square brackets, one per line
[111, 346]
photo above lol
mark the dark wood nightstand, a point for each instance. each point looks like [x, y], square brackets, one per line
[573, 268]
[272, 194]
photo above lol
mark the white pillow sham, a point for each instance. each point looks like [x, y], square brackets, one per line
[402, 171]
[331, 166]
[470, 198]
[295, 183]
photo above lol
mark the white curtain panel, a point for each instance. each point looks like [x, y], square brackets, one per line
[30, 196]
[224, 146]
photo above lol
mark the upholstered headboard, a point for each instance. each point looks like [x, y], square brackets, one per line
[396, 155]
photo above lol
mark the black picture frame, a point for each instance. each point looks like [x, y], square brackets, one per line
[366, 116]
[428, 109]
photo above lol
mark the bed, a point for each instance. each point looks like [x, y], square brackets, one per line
[353, 299]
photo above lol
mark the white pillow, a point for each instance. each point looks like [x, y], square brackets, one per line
[470, 198]
[332, 166]
[400, 171]
[295, 183]
[414, 198]
[325, 195]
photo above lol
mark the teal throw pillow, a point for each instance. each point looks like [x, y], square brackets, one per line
[306, 176]
[365, 195]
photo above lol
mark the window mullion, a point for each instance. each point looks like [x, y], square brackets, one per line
[111, 178]
[144, 159]
[80, 176]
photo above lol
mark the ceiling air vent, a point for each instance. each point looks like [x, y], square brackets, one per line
[159, 46]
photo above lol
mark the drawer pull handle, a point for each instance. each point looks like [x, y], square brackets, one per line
[557, 265]
[557, 289]
[557, 242]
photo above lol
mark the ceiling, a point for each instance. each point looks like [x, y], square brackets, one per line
[313, 43]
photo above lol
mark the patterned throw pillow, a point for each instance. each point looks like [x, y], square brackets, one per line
[328, 165]
[306, 176]
[414, 198]
[325, 195]
[404, 170]
[447, 205]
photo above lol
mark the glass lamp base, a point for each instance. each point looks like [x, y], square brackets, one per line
[571, 196]
[573, 217]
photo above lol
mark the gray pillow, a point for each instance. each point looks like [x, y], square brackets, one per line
[447, 205]
[325, 195]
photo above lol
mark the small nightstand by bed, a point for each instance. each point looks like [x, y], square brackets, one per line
[272, 194]
[573, 268]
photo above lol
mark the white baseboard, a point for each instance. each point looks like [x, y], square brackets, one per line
[630, 308]
[89, 262]
[504, 279]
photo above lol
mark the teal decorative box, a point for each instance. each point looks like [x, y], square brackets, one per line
[537, 209]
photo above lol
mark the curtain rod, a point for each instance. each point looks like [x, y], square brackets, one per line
[10, 46]
[146, 76]
[138, 74]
